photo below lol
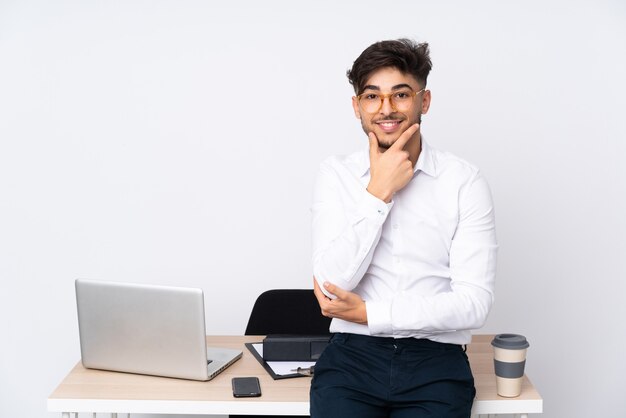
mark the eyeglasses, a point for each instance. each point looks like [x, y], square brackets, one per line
[400, 101]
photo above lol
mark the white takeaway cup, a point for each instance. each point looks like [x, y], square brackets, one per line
[509, 357]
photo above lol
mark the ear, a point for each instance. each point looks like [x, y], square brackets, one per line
[426, 102]
[355, 106]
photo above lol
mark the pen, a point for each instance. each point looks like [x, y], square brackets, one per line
[305, 371]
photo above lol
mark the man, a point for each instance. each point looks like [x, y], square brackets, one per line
[404, 254]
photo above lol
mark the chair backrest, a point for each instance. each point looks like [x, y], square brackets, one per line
[287, 311]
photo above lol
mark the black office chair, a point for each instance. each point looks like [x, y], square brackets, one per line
[286, 311]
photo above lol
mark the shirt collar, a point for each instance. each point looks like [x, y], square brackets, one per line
[425, 162]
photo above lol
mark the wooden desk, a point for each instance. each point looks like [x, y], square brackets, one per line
[85, 390]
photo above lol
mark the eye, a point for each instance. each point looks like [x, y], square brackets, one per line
[370, 96]
[403, 95]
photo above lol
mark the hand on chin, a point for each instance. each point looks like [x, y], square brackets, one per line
[387, 140]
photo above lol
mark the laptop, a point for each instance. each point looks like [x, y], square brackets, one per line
[147, 329]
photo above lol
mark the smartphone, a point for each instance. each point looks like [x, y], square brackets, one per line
[244, 387]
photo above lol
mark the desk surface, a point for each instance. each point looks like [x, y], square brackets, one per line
[85, 390]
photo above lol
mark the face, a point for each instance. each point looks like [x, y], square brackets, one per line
[388, 123]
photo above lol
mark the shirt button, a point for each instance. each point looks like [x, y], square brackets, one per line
[395, 226]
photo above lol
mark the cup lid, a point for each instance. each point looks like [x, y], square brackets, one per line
[510, 341]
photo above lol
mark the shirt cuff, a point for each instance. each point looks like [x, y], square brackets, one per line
[372, 204]
[379, 317]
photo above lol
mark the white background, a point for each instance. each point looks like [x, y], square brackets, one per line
[176, 142]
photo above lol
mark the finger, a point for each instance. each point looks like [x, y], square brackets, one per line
[322, 299]
[405, 137]
[335, 290]
[374, 151]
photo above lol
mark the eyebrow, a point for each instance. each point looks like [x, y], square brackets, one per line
[394, 88]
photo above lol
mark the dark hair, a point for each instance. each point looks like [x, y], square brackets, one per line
[404, 54]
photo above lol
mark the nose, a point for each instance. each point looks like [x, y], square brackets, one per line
[386, 107]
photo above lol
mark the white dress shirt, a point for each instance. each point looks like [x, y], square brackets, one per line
[424, 263]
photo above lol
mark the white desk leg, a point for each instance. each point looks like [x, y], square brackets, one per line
[65, 415]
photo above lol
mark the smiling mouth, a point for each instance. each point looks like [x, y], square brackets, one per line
[388, 125]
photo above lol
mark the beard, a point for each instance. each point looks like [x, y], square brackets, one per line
[368, 127]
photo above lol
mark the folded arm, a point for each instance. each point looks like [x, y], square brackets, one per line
[347, 224]
[472, 272]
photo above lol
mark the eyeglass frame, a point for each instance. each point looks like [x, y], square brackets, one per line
[388, 97]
